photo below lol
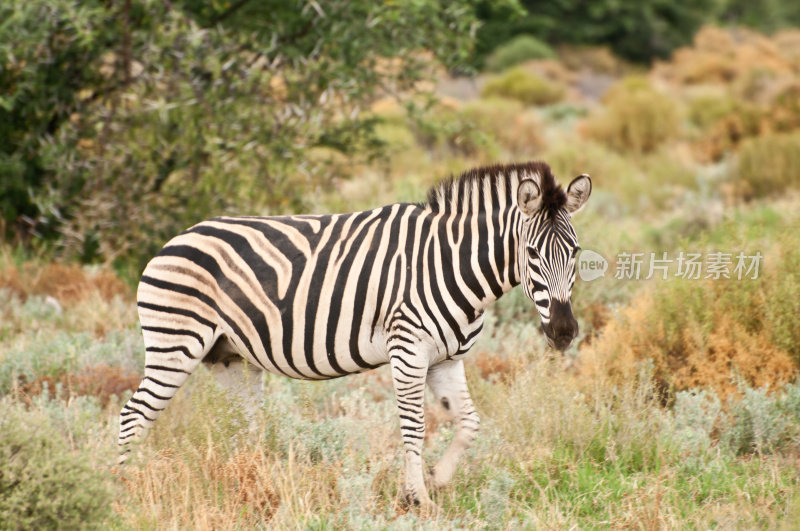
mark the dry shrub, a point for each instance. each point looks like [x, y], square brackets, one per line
[730, 347]
[727, 122]
[69, 283]
[728, 56]
[507, 121]
[597, 315]
[244, 474]
[788, 42]
[526, 87]
[101, 381]
[692, 338]
[636, 118]
[743, 121]
[495, 367]
[769, 165]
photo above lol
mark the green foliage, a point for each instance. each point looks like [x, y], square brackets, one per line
[763, 422]
[766, 16]
[518, 50]
[49, 53]
[769, 165]
[690, 426]
[47, 483]
[175, 113]
[636, 30]
[523, 86]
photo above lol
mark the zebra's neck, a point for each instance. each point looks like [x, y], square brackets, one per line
[479, 227]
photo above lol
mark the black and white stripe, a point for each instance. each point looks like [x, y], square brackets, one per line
[323, 296]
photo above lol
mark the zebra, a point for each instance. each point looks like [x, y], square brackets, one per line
[322, 296]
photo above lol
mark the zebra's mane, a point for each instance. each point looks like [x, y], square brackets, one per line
[442, 194]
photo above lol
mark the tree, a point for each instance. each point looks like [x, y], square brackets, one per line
[638, 30]
[132, 119]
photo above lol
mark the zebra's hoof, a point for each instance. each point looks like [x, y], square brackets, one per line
[424, 508]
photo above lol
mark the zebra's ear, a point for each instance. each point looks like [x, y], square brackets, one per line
[529, 196]
[578, 192]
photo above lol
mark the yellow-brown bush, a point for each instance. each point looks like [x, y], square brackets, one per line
[508, 123]
[649, 182]
[521, 85]
[729, 57]
[69, 283]
[636, 118]
[768, 165]
[706, 334]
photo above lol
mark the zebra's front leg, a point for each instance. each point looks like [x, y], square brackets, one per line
[408, 376]
[449, 384]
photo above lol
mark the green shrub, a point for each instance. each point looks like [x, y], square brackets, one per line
[519, 84]
[636, 119]
[706, 110]
[45, 483]
[769, 165]
[518, 50]
[761, 422]
[691, 424]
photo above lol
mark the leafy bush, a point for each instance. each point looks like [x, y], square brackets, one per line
[759, 422]
[691, 423]
[521, 85]
[440, 129]
[45, 482]
[518, 50]
[769, 165]
[636, 119]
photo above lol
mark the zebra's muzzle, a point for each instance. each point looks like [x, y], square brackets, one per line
[562, 328]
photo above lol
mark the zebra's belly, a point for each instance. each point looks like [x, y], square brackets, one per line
[344, 353]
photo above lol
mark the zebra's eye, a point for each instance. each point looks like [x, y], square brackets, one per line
[532, 252]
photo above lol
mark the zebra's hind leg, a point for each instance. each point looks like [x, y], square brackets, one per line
[243, 382]
[448, 382]
[171, 354]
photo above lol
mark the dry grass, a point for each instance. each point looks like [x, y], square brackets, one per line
[201, 490]
[67, 283]
[100, 381]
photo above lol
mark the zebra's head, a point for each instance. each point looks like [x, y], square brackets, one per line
[547, 250]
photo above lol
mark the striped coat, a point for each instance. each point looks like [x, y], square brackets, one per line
[323, 296]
